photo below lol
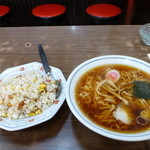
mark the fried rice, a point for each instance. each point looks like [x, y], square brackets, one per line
[26, 95]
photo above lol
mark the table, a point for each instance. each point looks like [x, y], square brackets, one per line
[66, 47]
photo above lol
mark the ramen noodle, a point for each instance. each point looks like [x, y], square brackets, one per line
[105, 95]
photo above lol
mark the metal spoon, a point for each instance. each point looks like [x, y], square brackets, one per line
[48, 69]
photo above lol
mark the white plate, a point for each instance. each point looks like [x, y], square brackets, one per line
[13, 125]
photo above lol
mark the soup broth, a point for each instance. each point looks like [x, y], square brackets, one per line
[105, 96]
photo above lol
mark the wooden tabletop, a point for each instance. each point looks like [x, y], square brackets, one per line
[66, 47]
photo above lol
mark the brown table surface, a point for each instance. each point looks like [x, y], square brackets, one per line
[66, 47]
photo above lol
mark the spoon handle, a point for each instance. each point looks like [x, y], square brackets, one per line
[44, 59]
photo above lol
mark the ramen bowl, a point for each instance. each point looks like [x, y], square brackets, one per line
[72, 97]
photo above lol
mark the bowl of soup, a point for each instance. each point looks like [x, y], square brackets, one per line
[110, 95]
